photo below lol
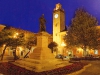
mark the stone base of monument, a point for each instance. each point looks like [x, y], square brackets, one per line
[41, 59]
[38, 66]
[7, 57]
[42, 54]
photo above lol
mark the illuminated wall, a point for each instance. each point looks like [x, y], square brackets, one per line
[2, 27]
[58, 25]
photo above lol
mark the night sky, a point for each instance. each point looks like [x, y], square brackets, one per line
[25, 14]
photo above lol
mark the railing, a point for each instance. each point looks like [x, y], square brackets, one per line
[84, 58]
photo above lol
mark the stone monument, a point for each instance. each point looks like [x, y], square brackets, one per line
[42, 22]
[41, 58]
[42, 52]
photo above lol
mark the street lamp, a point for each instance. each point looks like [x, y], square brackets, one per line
[63, 44]
[15, 35]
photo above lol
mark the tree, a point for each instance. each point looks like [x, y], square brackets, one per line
[52, 45]
[8, 38]
[19, 40]
[5, 40]
[82, 31]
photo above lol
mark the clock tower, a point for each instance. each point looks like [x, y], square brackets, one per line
[58, 24]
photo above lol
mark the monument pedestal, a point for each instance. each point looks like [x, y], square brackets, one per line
[40, 65]
[42, 52]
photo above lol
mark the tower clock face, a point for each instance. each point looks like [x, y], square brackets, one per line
[56, 16]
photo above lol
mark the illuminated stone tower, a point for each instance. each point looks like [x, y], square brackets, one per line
[58, 24]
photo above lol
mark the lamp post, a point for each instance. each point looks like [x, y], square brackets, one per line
[15, 35]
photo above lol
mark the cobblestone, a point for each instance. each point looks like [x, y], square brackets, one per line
[94, 69]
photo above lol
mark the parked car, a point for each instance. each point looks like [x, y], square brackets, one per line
[59, 56]
[66, 58]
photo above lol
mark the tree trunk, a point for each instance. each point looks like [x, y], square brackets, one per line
[52, 51]
[84, 51]
[3, 52]
[27, 54]
[14, 54]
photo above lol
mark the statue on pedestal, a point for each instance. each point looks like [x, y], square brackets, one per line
[42, 23]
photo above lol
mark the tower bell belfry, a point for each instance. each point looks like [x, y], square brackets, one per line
[58, 24]
[58, 6]
[58, 18]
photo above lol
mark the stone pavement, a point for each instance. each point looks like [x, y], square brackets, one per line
[92, 69]
[31, 64]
